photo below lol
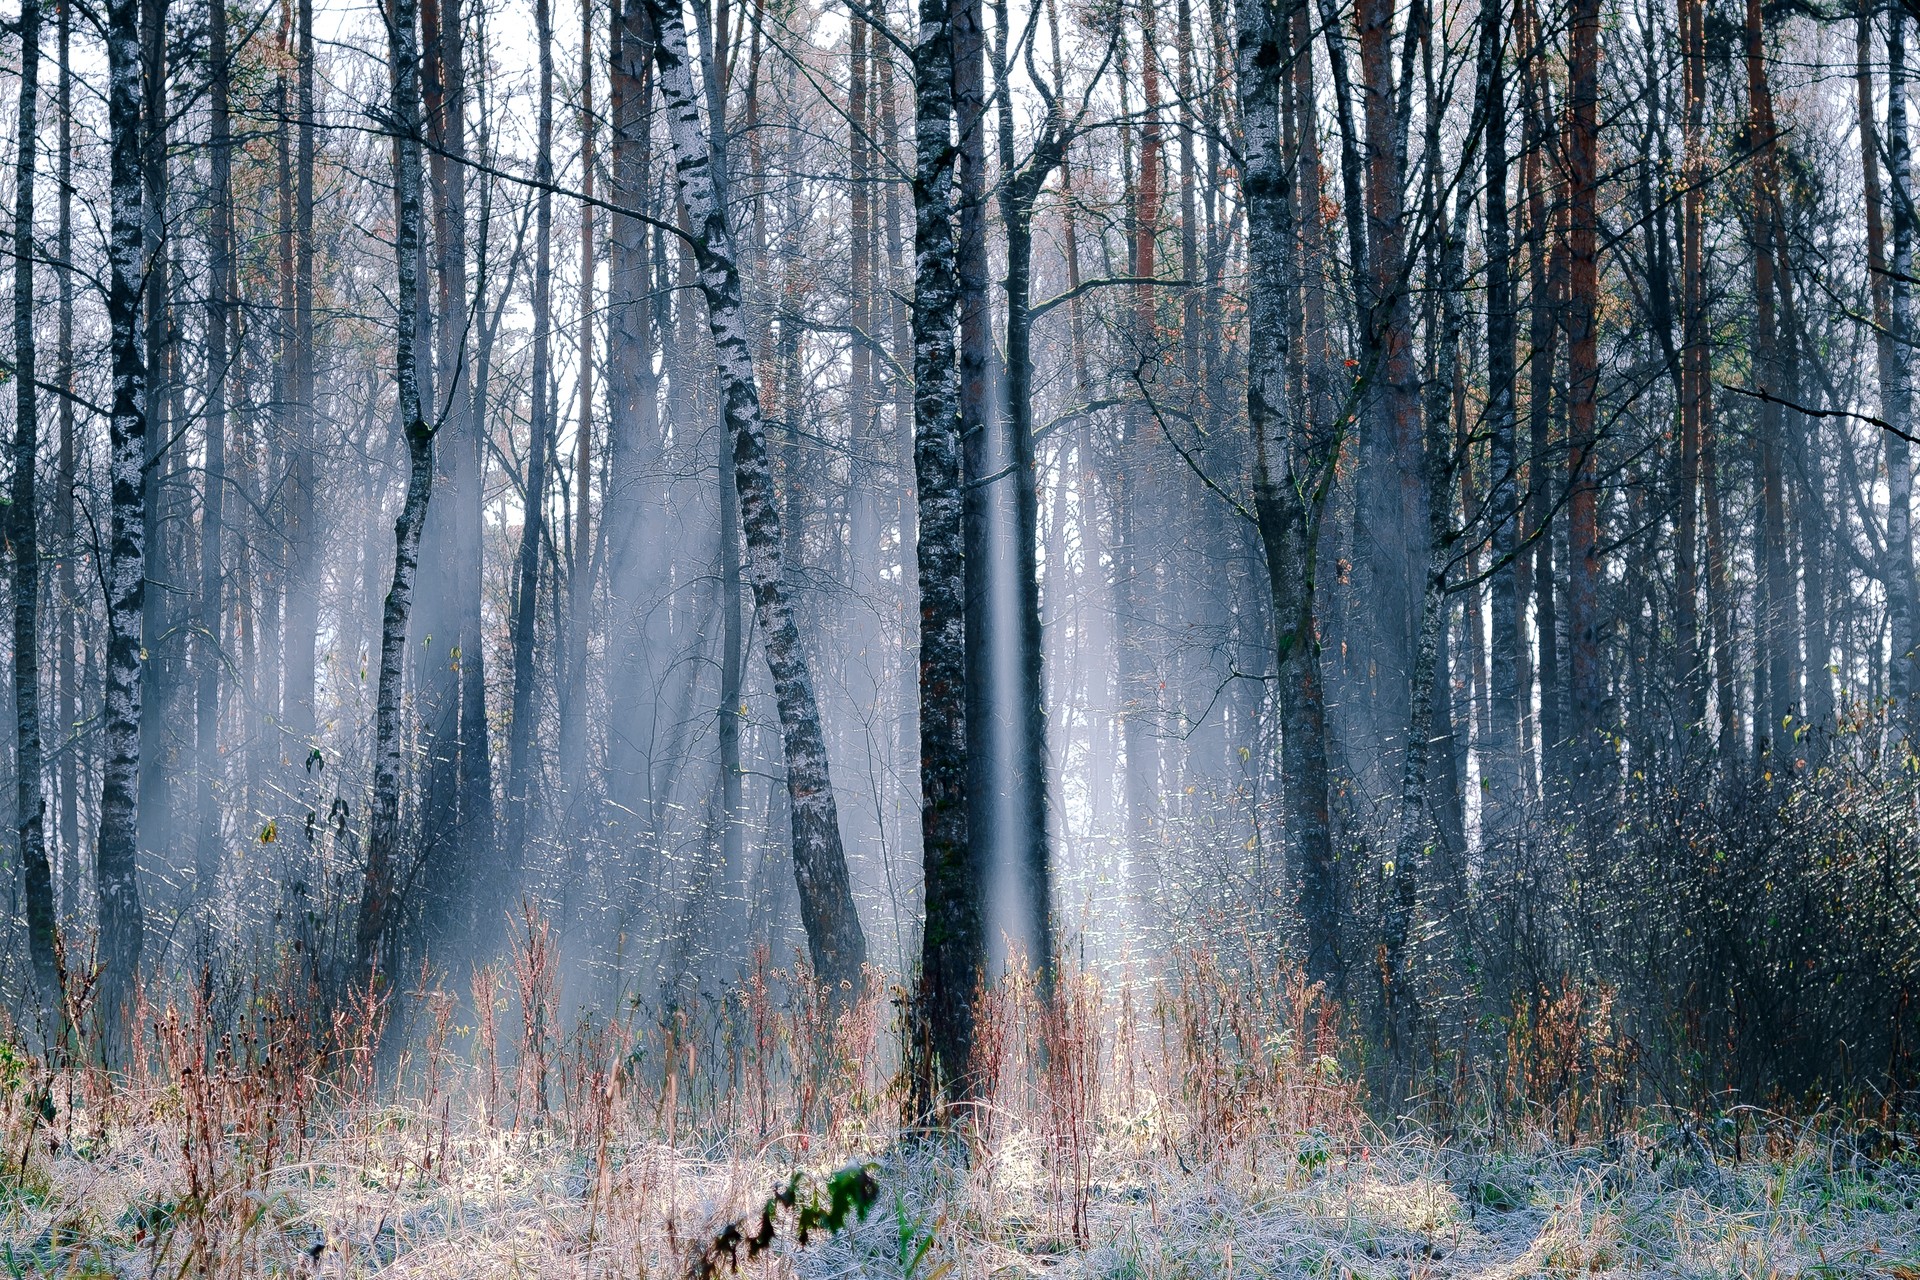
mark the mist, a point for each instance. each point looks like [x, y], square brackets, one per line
[997, 550]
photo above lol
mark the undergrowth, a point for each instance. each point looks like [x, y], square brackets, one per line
[1209, 1123]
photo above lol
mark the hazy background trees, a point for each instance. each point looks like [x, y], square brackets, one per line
[1423, 490]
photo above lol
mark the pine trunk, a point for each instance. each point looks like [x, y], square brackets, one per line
[1586, 677]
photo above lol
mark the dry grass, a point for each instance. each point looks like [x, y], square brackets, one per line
[1204, 1127]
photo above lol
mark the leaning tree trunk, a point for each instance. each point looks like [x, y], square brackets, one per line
[23, 532]
[834, 938]
[373, 935]
[116, 871]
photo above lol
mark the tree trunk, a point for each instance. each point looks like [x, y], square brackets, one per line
[732, 660]
[23, 519]
[68, 696]
[953, 945]
[1897, 397]
[1293, 472]
[1587, 676]
[207, 634]
[1501, 757]
[1426, 731]
[1543, 338]
[520, 764]
[116, 860]
[374, 938]
[1392, 497]
[587, 557]
[466, 757]
[633, 426]
[155, 835]
[579, 580]
[835, 941]
[1020, 188]
[1776, 634]
[980, 458]
[304, 540]
[1695, 388]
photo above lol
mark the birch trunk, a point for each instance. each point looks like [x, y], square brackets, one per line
[374, 940]
[1292, 474]
[953, 945]
[116, 870]
[838, 947]
[23, 533]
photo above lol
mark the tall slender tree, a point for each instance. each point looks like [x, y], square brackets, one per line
[1587, 678]
[374, 935]
[953, 942]
[1502, 750]
[207, 634]
[116, 860]
[67, 695]
[836, 942]
[520, 763]
[23, 530]
[1897, 397]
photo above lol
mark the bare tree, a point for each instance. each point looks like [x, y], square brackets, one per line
[835, 940]
[23, 522]
[374, 936]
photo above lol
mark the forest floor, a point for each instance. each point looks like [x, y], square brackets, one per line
[412, 1191]
[1214, 1124]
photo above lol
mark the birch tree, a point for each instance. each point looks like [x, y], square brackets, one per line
[835, 940]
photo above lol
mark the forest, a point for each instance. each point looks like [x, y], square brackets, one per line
[1112, 638]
